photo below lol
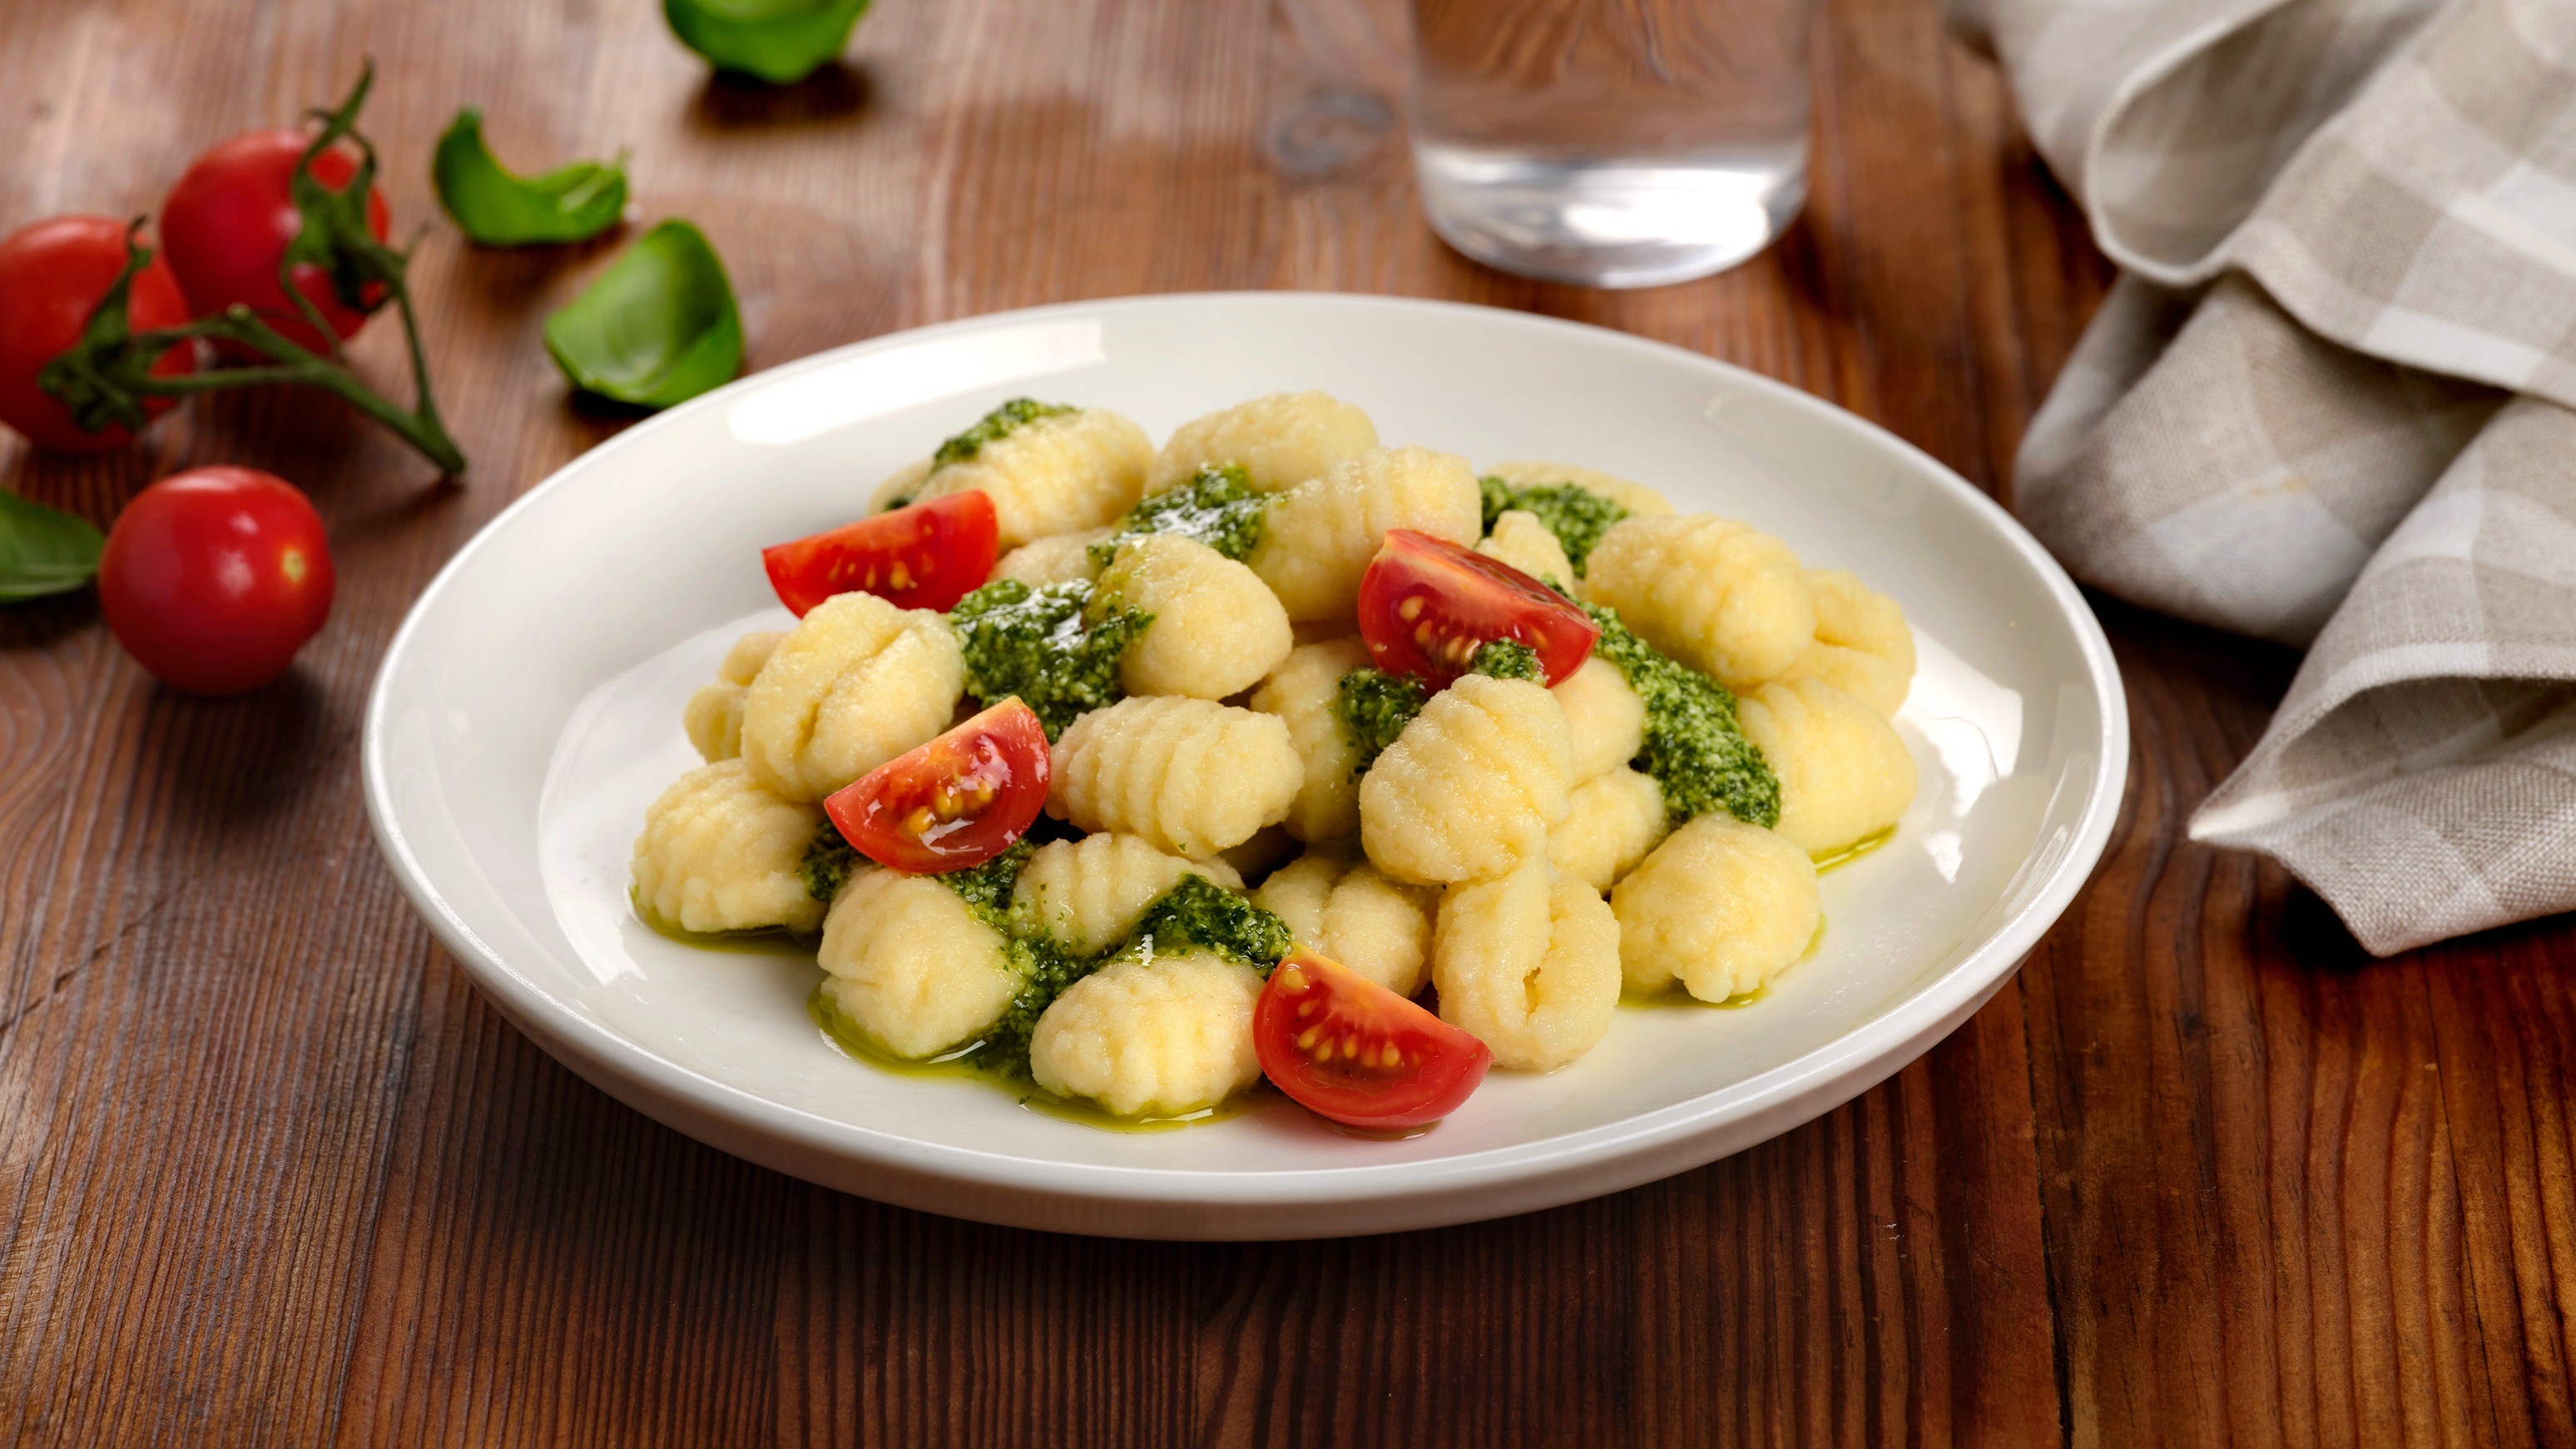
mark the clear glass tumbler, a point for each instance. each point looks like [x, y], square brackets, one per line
[1613, 143]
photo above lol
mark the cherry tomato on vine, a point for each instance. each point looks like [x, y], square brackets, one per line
[926, 556]
[1426, 605]
[1347, 1048]
[227, 223]
[213, 578]
[953, 803]
[51, 276]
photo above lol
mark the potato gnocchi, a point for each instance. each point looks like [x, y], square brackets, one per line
[853, 685]
[714, 716]
[1356, 914]
[1048, 469]
[1231, 774]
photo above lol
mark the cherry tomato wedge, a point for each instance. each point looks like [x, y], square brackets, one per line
[926, 556]
[953, 803]
[1347, 1048]
[1427, 605]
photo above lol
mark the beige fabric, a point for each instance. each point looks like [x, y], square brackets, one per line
[2328, 403]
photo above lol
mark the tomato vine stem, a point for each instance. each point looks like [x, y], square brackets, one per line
[104, 377]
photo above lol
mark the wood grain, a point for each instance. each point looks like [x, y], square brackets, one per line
[272, 1173]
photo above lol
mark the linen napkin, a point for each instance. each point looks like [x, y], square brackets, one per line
[2328, 402]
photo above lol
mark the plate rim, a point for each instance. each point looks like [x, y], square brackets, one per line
[1823, 1078]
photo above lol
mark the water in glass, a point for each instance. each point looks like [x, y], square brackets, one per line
[1617, 143]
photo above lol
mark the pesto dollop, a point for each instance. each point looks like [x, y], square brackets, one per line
[1199, 912]
[1196, 912]
[1694, 747]
[1039, 644]
[1506, 659]
[994, 426]
[986, 888]
[1218, 507]
[1373, 707]
[1575, 514]
[828, 861]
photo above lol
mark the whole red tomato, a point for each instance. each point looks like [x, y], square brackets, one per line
[51, 276]
[213, 578]
[228, 221]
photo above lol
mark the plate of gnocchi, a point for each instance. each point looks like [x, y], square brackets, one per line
[1245, 766]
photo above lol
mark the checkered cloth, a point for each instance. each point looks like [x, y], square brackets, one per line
[2328, 402]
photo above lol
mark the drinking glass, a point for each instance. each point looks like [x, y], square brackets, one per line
[1614, 143]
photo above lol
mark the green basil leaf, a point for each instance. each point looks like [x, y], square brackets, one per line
[780, 41]
[497, 209]
[43, 550]
[657, 328]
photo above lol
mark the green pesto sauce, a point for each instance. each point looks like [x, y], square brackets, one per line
[755, 941]
[1373, 707]
[828, 862]
[1575, 514]
[1694, 747]
[1506, 659]
[986, 888]
[994, 426]
[1199, 912]
[900, 500]
[1038, 644]
[1218, 508]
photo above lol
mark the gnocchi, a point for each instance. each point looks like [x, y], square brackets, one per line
[1355, 914]
[1278, 441]
[1323, 532]
[1190, 776]
[1165, 1036]
[1057, 471]
[1088, 894]
[1471, 788]
[1062, 558]
[1721, 907]
[1216, 630]
[720, 852]
[1529, 963]
[910, 963]
[1301, 692]
[1712, 593]
[854, 684]
[1519, 539]
[1863, 646]
[1611, 821]
[1605, 721]
[714, 716]
[1844, 773]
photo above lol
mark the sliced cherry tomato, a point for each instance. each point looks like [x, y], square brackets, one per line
[51, 275]
[1350, 1049]
[1427, 605]
[227, 223]
[955, 802]
[926, 556]
[213, 578]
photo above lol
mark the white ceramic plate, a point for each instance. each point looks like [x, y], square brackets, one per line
[530, 709]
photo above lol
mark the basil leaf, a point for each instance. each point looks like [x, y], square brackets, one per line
[498, 209]
[657, 328]
[43, 550]
[779, 41]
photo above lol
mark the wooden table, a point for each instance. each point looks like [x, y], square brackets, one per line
[272, 1173]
